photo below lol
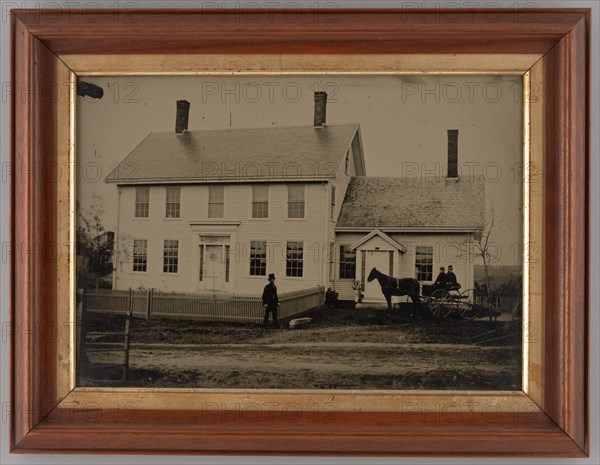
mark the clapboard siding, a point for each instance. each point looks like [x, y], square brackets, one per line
[276, 230]
[155, 229]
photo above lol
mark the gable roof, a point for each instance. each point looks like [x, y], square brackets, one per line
[237, 155]
[413, 204]
[384, 236]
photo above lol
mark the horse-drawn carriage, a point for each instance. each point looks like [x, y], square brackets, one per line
[440, 301]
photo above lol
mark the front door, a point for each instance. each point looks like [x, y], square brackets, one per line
[379, 259]
[213, 275]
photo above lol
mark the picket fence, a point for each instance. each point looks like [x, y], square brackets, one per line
[207, 306]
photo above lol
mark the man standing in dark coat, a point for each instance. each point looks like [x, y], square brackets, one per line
[270, 301]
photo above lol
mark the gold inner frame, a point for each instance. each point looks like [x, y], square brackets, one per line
[446, 403]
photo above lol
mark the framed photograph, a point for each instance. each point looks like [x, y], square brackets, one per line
[317, 232]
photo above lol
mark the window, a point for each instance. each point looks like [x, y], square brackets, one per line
[170, 256]
[216, 201]
[173, 205]
[424, 263]
[258, 258]
[332, 212]
[140, 254]
[296, 201]
[294, 259]
[142, 202]
[391, 270]
[347, 262]
[260, 201]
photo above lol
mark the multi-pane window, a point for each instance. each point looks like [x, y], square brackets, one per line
[424, 263]
[258, 258]
[332, 211]
[347, 262]
[260, 201]
[170, 256]
[216, 201]
[294, 259]
[140, 255]
[142, 202]
[296, 200]
[391, 261]
[173, 202]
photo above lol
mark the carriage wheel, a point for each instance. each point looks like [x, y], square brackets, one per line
[440, 303]
[466, 305]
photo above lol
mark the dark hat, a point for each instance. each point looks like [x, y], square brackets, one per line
[449, 267]
[442, 268]
[271, 276]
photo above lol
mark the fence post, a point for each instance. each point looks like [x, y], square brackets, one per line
[148, 303]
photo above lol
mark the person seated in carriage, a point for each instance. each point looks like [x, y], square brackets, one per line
[440, 281]
[451, 283]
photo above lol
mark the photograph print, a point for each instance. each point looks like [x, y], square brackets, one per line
[300, 232]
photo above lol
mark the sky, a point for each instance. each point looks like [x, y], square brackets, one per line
[403, 122]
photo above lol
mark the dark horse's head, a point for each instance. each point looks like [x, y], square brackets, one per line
[372, 275]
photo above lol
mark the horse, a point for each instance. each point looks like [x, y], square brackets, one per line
[396, 286]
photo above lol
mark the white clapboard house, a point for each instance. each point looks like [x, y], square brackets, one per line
[221, 209]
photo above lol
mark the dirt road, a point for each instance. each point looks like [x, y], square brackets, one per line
[373, 350]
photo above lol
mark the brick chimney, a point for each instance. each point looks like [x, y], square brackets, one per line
[181, 119]
[452, 153]
[320, 109]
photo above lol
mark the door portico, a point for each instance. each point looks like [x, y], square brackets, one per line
[376, 250]
[212, 263]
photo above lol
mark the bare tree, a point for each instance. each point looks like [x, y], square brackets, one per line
[485, 248]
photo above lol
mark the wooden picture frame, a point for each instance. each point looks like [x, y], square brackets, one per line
[550, 47]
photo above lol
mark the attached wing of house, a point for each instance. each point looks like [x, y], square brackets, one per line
[408, 228]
